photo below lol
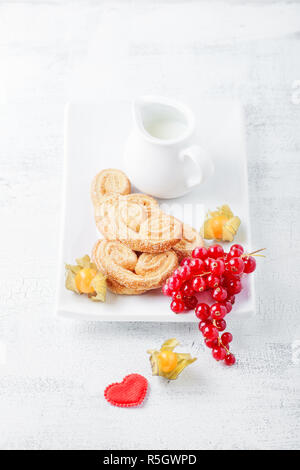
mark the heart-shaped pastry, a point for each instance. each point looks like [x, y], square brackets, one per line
[130, 392]
[123, 265]
[137, 221]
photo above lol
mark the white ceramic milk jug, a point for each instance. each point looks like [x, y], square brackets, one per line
[160, 156]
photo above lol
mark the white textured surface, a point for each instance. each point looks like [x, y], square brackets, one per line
[53, 371]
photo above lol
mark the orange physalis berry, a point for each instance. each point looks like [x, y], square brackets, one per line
[217, 224]
[84, 279]
[167, 360]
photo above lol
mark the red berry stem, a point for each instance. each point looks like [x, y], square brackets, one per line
[254, 253]
[223, 345]
[203, 274]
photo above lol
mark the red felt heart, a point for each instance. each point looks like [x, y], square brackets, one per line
[130, 392]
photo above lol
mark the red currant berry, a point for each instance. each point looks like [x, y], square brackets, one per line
[187, 289]
[249, 265]
[166, 290]
[227, 305]
[211, 343]
[190, 302]
[197, 266]
[236, 247]
[207, 262]
[228, 274]
[177, 306]
[199, 284]
[234, 286]
[184, 272]
[236, 265]
[220, 324]
[219, 353]
[229, 360]
[212, 281]
[235, 253]
[174, 283]
[200, 252]
[176, 294]
[227, 278]
[210, 332]
[204, 324]
[185, 261]
[215, 251]
[217, 267]
[217, 311]
[219, 294]
[202, 311]
[226, 338]
[231, 299]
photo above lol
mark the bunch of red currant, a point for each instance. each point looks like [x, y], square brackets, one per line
[219, 272]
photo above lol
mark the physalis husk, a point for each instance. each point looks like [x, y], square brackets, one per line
[84, 278]
[166, 362]
[220, 225]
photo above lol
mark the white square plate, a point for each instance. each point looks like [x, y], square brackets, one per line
[94, 139]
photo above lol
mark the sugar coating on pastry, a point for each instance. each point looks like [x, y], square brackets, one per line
[148, 202]
[144, 272]
[133, 206]
[117, 288]
[157, 234]
[137, 221]
[190, 240]
[114, 286]
[109, 181]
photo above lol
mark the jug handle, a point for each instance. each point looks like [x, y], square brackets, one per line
[202, 162]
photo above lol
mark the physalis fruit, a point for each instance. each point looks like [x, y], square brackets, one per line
[84, 278]
[166, 362]
[220, 225]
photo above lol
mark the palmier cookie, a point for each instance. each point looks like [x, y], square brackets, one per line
[112, 209]
[121, 264]
[115, 286]
[109, 181]
[136, 204]
[190, 240]
[137, 221]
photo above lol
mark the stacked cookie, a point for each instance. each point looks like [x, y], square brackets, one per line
[142, 245]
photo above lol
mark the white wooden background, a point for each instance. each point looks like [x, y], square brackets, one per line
[53, 372]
